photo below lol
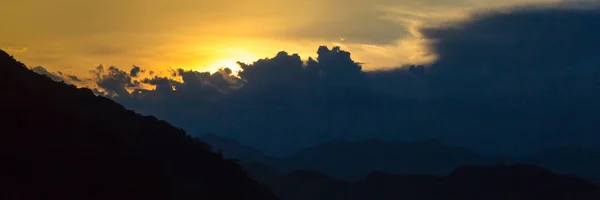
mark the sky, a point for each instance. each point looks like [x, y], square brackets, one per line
[510, 77]
[73, 36]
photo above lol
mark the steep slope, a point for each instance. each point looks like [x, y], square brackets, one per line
[60, 142]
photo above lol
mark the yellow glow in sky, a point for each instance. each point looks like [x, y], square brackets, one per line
[74, 35]
[231, 57]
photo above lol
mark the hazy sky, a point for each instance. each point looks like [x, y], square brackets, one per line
[74, 35]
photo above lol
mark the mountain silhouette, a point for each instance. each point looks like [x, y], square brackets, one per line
[352, 160]
[61, 142]
[573, 160]
[231, 148]
[356, 159]
[515, 182]
[262, 173]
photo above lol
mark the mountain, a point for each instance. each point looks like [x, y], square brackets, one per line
[61, 142]
[515, 182]
[231, 148]
[307, 184]
[573, 160]
[352, 160]
[262, 173]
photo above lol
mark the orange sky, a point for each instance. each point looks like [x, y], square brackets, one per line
[74, 36]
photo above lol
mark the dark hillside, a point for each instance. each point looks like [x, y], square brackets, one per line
[60, 142]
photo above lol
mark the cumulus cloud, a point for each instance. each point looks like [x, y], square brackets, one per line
[135, 71]
[270, 96]
[509, 80]
[114, 81]
[187, 84]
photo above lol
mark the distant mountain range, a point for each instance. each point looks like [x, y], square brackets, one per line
[353, 160]
[62, 142]
[573, 160]
[514, 182]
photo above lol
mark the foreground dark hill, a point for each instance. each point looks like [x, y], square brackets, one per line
[516, 182]
[60, 142]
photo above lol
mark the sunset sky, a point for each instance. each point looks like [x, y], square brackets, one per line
[73, 35]
[502, 75]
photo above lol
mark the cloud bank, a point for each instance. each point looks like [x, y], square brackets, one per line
[507, 81]
[198, 34]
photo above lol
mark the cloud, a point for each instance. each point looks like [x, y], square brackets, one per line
[520, 53]
[528, 73]
[57, 76]
[113, 81]
[135, 71]
[184, 85]
[360, 25]
[43, 71]
[191, 34]
[553, 37]
[508, 81]
[13, 48]
[322, 95]
[70, 77]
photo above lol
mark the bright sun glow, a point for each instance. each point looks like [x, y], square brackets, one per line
[232, 56]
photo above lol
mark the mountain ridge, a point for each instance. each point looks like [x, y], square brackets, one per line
[318, 157]
[59, 141]
[467, 182]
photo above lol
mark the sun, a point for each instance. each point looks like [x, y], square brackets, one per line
[230, 58]
[230, 63]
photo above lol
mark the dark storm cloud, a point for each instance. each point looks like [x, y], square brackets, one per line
[506, 81]
[532, 53]
[529, 74]
[547, 37]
